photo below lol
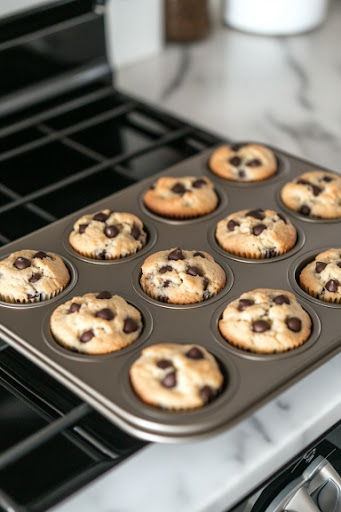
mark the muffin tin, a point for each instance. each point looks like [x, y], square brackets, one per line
[250, 379]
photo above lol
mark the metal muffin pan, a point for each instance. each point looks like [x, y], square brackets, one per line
[250, 379]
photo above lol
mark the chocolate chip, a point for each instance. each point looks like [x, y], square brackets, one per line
[162, 298]
[194, 271]
[241, 173]
[163, 364]
[332, 285]
[319, 266]
[294, 324]
[74, 308]
[304, 210]
[82, 228]
[270, 253]
[258, 229]
[169, 381]
[282, 217]
[166, 268]
[135, 232]
[232, 224]
[207, 394]
[256, 214]
[199, 183]
[21, 263]
[260, 326]
[102, 255]
[178, 188]
[199, 254]
[100, 216]
[105, 313]
[111, 231]
[152, 187]
[254, 163]
[235, 161]
[166, 283]
[40, 254]
[245, 303]
[316, 190]
[104, 295]
[327, 179]
[207, 295]
[237, 147]
[281, 299]
[205, 283]
[175, 255]
[35, 277]
[129, 326]
[303, 182]
[195, 353]
[339, 264]
[33, 295]
[87, 336]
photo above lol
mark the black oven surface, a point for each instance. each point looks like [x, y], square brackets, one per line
[57, 156]
[67, 139]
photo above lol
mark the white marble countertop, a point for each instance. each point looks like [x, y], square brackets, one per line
[286, 92]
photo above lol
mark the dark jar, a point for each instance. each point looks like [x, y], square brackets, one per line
[186, 20]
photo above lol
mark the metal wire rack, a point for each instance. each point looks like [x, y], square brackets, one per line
[69, 152]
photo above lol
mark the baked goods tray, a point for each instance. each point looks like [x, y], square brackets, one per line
[250, 379]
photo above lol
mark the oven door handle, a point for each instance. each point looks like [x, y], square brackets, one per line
[321, 479]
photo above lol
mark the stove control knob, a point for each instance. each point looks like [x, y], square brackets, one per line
[329, 497]
[318, 489]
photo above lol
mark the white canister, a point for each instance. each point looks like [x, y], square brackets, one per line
[275, 17]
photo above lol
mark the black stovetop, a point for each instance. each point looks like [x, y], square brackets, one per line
[56, 157]
[67, 138]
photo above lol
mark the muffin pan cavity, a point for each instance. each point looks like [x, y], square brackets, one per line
[314, 335]
[250, 379]
[297, 247]
[72, 269]
[221, 207]
[150, 242]
[283, 169]
[294, 273]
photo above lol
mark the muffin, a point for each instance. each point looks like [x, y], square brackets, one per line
[321, 278]
[32, 276]
[265, 321]
[108, 235]
[96, 323]
[243, 162]
[314, 194]
[176, 377]
[182, 197]
[256, 233]
[181, 277]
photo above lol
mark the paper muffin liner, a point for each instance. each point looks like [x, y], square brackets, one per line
[42, 297]
[313, 293]
[157, 297]
[173, 408]
[253, 256]
[94, 255]
[179, 215]
[242, 347]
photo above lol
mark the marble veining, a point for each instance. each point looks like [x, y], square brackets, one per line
[213, 474]
[285, 92]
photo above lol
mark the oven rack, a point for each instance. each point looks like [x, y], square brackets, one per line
[32, 132]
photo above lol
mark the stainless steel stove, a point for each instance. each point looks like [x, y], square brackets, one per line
[67, 139]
